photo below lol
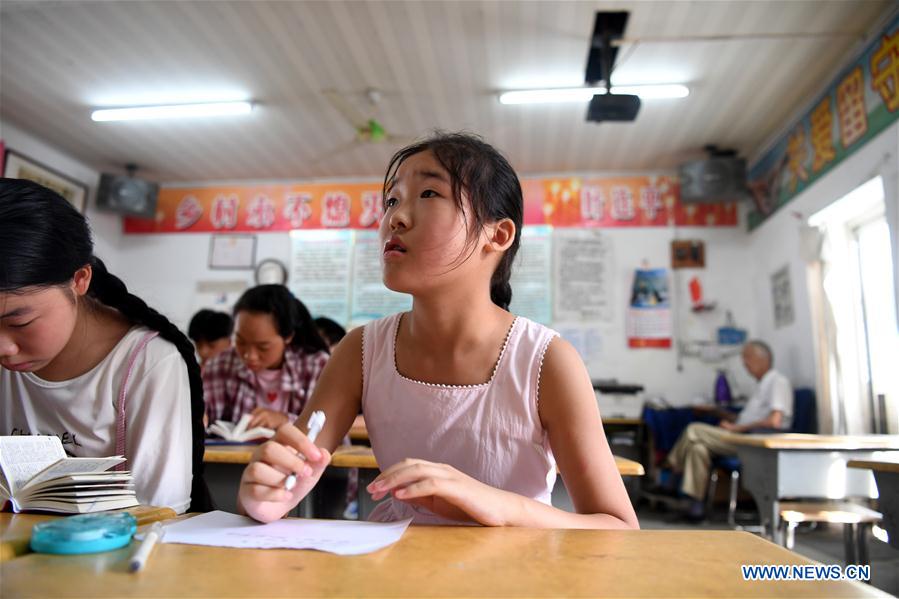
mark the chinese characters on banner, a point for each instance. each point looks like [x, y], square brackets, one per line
[621, 202]
[860, 103]
[261, 208]
[560, 202]
[649, 313]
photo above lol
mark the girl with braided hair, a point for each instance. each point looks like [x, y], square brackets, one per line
[84, 359]
[467, 406]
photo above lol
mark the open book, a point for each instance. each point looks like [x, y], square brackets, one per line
[238, 432]
[35, 474]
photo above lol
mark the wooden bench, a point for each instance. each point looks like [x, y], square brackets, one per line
[856, 520]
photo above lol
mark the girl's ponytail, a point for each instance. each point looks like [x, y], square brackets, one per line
[306, 335]
[500, 287]
[109, 290]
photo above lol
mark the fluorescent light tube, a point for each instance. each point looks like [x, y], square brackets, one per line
[172, 111]
[584, 94]
[653, 92]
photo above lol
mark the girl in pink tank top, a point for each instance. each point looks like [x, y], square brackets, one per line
[468, 407]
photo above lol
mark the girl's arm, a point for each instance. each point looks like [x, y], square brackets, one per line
[570, 416]
[338, 394]
[338, 391]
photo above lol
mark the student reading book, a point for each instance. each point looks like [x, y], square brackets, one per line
[230, 431]
[86, 360]
[37, 475]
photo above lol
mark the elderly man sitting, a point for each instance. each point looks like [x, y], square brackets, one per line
[770, 408]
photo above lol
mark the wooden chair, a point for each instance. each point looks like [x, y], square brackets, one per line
[856, 520]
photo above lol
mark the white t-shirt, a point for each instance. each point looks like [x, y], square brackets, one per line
[774, 393]
[82, 412]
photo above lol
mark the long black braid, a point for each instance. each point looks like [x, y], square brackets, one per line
[43, 242]
[108, 289]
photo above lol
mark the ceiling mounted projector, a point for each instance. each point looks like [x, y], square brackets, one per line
[607, 28]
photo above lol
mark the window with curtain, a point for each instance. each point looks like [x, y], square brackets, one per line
[851, 288]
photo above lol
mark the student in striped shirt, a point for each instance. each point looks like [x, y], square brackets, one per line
[276, 360]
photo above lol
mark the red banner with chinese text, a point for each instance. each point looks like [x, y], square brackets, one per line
[561, 202]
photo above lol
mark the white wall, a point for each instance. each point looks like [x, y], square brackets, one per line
[107, 228]
[164, 270]
[776, 243]
[657, 369]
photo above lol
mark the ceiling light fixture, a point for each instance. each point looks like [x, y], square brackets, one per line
[172, 111]
[584, 94]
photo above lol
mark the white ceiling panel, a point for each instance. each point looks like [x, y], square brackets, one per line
[434, 64]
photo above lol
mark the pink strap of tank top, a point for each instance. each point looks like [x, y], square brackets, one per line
[120, 414]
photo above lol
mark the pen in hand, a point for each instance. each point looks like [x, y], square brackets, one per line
[316, 423]
[140, 557]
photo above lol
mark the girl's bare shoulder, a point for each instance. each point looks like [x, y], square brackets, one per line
[349, 349]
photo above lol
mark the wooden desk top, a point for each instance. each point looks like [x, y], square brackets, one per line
[15, 529]
[355, 456]
[352, 456]
[629, 467]
[622, 421]
[822, 442]
[875, 465]
[358, 432]
[449, 561]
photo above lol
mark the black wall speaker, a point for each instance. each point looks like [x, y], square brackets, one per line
[716, 179]
[127, 195]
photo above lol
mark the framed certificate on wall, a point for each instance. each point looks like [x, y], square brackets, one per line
[232, 252]
[19, 166]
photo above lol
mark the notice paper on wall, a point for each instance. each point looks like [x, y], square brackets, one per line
[371, 299]
[320, 271]
[583, 264]
[343, 537]
[586, 339]
[532, 276]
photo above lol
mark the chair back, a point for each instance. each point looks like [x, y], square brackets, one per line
[805, 412]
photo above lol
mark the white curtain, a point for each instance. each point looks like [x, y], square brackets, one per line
[831, 416]
[890, 175]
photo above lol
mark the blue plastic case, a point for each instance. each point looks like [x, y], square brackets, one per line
[85, 533]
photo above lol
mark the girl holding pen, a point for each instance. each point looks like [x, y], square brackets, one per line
[468, 407]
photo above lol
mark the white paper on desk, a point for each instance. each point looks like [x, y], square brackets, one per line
[343, 537]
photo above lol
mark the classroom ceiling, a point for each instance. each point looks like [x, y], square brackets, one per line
[433, 64]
